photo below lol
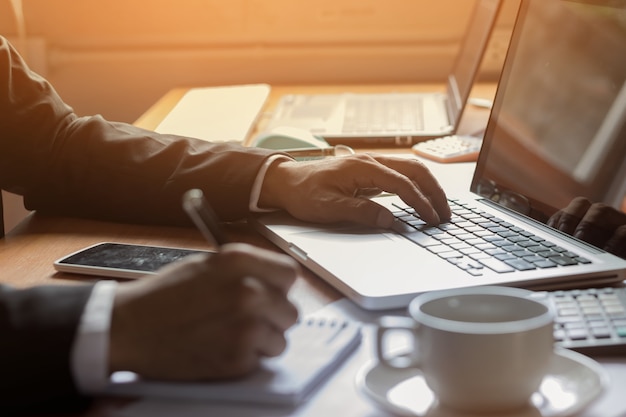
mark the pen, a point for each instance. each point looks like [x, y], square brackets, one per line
[203, 216]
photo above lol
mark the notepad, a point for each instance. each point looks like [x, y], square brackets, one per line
[316, 347]
[217, 114]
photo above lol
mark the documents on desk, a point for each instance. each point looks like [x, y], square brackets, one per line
[316, 347]
[217, 114]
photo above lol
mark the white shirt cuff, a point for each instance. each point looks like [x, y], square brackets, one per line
[90, 351]
[255, 194]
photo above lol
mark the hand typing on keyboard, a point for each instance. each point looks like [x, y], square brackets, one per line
[337, 189]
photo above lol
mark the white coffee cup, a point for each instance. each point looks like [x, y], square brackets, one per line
[480, 349]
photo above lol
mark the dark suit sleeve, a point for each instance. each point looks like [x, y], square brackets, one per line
[90, 167]
[37, 328]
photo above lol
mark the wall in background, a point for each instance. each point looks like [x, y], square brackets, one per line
[117, 57]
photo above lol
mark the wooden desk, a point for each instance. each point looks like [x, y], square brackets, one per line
[28, 251]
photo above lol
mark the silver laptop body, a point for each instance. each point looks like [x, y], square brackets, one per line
[557, 131]
[394, 118]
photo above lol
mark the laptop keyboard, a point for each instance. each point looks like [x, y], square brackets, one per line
[476, 241]
[377, 114]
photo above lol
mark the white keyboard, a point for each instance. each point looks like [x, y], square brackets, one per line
[454, 148]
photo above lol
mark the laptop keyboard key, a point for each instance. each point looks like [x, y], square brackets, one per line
[421, 239]
[520, 264]
[496, 265]
[562, 260]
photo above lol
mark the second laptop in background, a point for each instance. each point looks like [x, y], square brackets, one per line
[394, 118]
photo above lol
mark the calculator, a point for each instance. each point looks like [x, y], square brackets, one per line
[453, 148]
[591, 321]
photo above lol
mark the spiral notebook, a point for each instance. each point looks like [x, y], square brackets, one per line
[316, 348]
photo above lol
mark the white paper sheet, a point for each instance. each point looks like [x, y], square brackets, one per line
[217, 114]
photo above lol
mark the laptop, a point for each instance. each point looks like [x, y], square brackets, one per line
[394, 118]
[557, 131]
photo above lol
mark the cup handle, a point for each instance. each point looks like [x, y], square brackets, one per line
[395, 323]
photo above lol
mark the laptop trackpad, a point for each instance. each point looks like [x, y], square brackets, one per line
[375, 263]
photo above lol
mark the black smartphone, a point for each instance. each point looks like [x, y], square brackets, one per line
[121, 260]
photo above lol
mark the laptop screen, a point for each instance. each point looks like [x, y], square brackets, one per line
[467, 62]
[557, 129]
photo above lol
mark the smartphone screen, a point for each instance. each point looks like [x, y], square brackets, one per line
[121, 260]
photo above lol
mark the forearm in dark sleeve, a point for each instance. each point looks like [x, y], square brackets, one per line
[37, 330]
[87, 166]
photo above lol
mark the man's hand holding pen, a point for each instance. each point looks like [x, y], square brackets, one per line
[206, 316]
[231, 309]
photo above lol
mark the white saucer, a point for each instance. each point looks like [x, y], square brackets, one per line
[573, 381]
